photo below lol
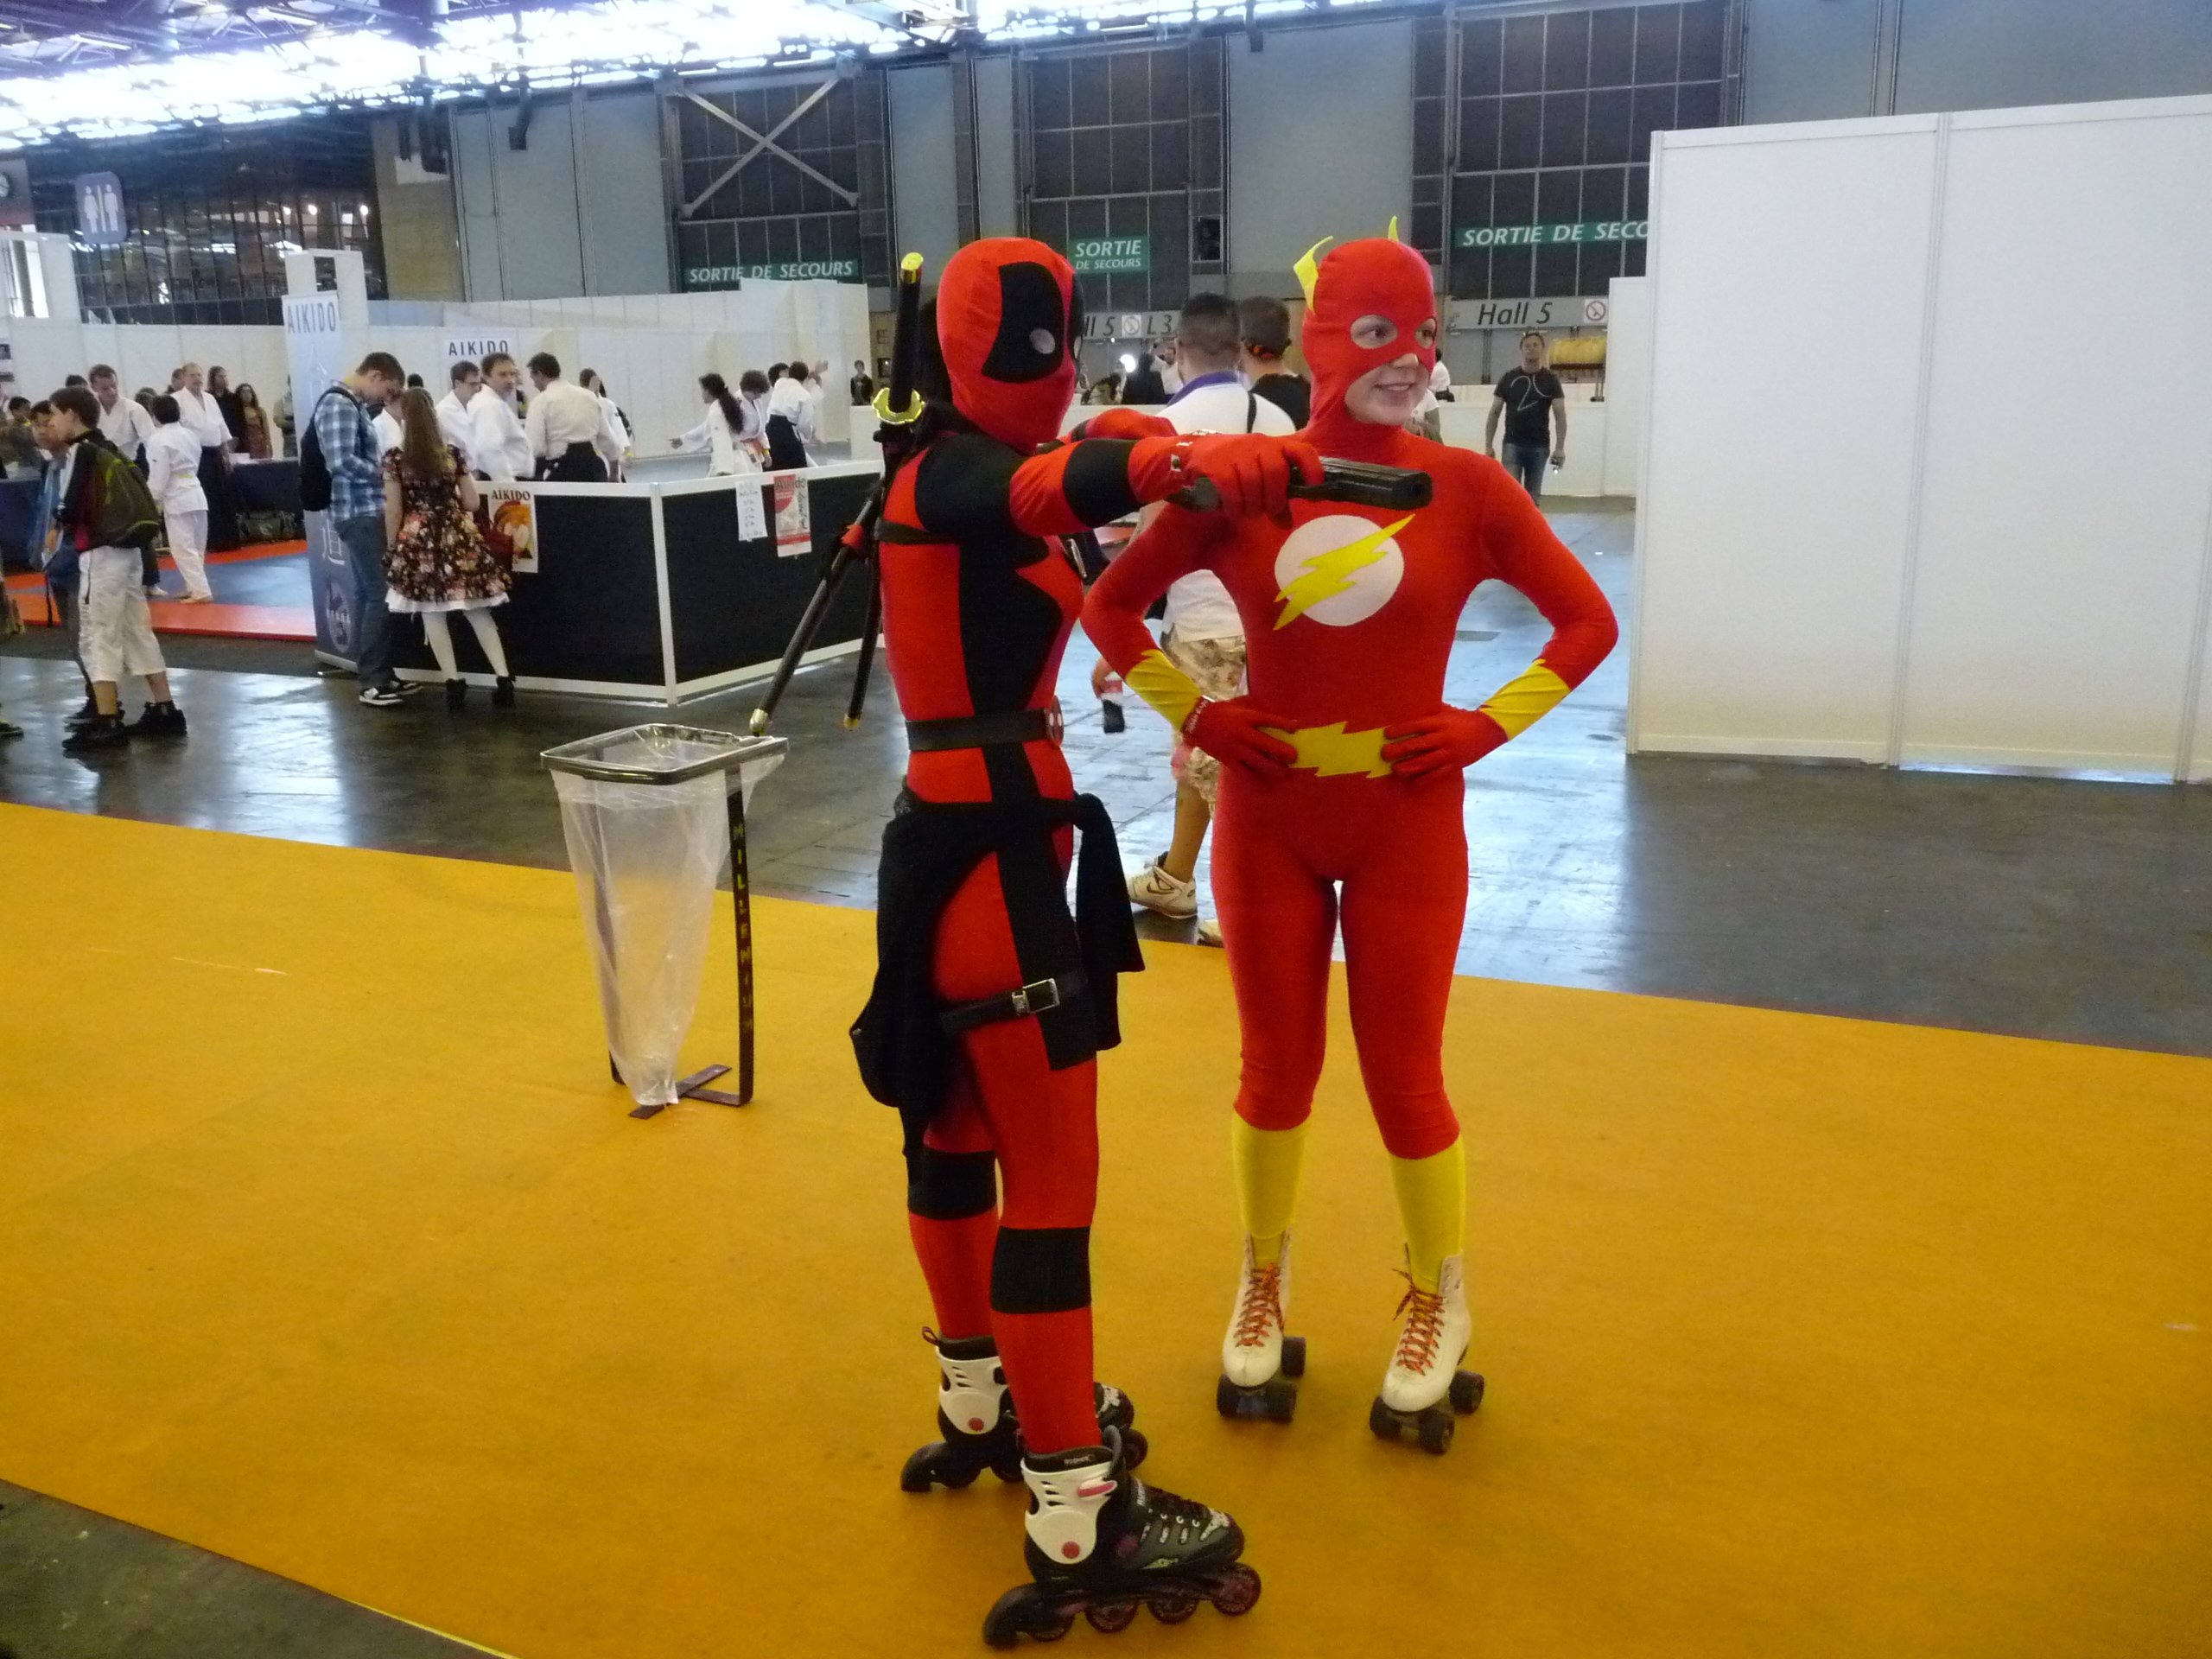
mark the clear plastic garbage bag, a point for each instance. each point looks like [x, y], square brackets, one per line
[647, 858]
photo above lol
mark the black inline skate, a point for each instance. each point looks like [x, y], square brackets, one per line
[1102, 1543]
[976, 1414]
[1260, 1366]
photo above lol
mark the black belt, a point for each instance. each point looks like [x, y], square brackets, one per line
[1039, 996]
[983, 731]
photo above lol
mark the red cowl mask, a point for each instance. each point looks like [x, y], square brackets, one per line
[1008, 320]
[1376, 275]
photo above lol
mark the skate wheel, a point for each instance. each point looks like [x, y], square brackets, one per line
[1110, 1617]
[1134, 1447]
[1384, 1420]
[1466, 1391]
[1228, 1398]
[1173, 1609]
[1437, 1428]
[1238, 1592]
[1051, 1630]
[933, 1467]
[1282, 1400]
[1293, 1357]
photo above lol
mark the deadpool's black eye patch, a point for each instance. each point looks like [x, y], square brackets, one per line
[1032, 320]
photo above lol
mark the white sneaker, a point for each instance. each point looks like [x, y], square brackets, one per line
[1153, 887]
[1210, 933]
[1251, 1349]
[1433, 1343]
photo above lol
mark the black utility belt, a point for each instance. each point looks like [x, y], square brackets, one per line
[984, 731]
[1039, 996]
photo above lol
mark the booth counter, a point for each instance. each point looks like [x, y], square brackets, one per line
[647, 592]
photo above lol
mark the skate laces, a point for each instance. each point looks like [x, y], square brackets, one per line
[1262, 1306]
[1424, 1312]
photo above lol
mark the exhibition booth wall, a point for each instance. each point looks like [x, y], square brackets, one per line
[1910, 548]
[650, 592]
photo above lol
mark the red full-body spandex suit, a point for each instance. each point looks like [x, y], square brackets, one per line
[1346, 774]
[990, 1001]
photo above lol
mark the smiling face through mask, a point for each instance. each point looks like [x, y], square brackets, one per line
[1389, 394]
[1370, 340]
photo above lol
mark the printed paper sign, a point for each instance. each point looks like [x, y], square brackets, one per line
[794, 530]
[752, 511]
[511, 520]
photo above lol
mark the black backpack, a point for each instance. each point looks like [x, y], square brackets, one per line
[314, 471]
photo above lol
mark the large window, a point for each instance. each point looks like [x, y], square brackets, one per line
[1533, 141]
[1123, 153]
[783, 179]
[209, 218]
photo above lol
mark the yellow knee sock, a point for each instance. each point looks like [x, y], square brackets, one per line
[1268, 1162]
[1433, 1202]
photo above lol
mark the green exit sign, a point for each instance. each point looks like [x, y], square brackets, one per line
[1096, 253]
[1532, 236]
[786, 271]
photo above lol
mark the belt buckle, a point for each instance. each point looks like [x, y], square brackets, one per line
[1030, 998]
[1055, 722]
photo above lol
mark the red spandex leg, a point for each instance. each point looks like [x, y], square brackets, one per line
[1043, 1126]
[1280, 918]
[1403, 906]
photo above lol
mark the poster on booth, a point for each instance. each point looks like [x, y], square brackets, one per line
[511, 526]
[794, 530]
[316, 357]
[752, 513]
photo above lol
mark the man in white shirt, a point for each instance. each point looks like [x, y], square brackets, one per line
[201, 416]
[790, 414]
[124, 421]
[1205, 635]
[565, 425]
[501, 447]
[456, 425]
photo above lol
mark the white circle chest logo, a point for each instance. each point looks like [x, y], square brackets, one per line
[1338, 570]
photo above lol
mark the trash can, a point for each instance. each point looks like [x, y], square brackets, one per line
[651, 814]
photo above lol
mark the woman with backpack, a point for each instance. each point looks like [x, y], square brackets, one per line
[438, 563]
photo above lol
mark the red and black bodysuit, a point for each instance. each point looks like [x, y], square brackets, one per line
[990, 1003]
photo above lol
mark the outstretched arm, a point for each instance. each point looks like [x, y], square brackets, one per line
[969, 485]
[1524, 554]
[1173, 545]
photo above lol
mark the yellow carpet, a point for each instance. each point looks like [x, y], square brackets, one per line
[324, 1243]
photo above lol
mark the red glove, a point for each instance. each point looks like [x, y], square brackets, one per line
[1252, 473]
[1233, 732]
[1450, 737]
[1123, 423]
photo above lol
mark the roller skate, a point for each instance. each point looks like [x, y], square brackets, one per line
[1102, 1543]
[1258, 1362]
[1425, 1372]
[975, 1413]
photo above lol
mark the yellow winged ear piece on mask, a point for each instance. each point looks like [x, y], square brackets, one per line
[1309, 268]
[1393, 231]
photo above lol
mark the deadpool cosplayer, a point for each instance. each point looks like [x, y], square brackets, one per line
[1341, 801]
[990, 1001]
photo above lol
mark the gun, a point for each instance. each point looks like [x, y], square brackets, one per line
[1358, 483]
[897, 406]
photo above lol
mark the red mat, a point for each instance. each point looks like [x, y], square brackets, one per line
[219, 620]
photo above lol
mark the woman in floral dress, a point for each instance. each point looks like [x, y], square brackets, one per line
[434, 561]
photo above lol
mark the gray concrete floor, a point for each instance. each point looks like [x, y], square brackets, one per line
[2058, 908]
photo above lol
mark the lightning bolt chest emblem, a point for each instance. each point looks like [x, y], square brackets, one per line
[1338, 570]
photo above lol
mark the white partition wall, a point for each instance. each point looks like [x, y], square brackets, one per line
[1773, 516]
[1903, 538]
[1628, 382]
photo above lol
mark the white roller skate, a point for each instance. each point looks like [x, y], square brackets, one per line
[1102, 1543]
[1258, 1362]
[1425, 1372]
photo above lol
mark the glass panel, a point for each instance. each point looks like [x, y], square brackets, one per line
[1566, 51]
[1524, 54]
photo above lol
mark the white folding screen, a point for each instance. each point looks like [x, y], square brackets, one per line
[1903, 536]
[1628, 382]
[2062, 545]
[1788, 273]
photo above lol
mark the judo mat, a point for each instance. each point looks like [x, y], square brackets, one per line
[326, 1244]
[261, 591]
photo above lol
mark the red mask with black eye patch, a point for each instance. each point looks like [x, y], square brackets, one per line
[1006, 321]
[1376, 276]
